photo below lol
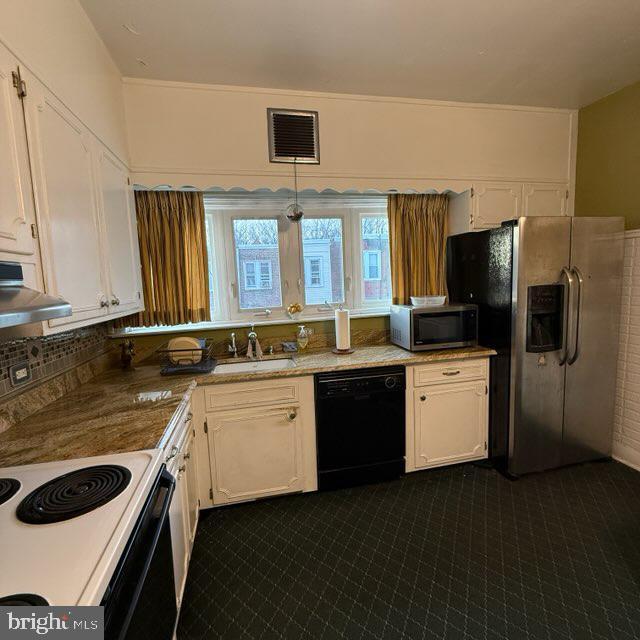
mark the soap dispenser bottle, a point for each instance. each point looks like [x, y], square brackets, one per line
[302, 338]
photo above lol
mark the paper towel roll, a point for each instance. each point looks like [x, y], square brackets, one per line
[343, 329]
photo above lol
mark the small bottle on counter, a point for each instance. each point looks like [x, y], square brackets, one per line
[302, 338]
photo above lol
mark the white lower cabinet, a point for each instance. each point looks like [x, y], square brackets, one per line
[447, 418]
[263, 449]
[183, 512]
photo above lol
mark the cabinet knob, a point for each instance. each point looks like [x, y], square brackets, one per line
[423, 398]
[173, 454]
[115, 301]
[186, 456]
[104, 302]
[291, 415]
[182, 468]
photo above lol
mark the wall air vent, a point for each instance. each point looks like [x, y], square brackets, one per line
[293, 136]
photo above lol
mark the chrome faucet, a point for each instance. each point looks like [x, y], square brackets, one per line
[254, 350]
[232, 346]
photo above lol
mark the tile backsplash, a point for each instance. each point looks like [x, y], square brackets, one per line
[50, 356]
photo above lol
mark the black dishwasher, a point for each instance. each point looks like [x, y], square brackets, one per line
[360, 425]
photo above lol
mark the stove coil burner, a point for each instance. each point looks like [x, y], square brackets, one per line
[23, 600]
[8, 488]
[73, 494]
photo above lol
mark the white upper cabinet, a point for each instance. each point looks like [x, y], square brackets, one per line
[494, 202]
[78, 238]
[67, 207]
[16, 206]
[545, 200]
[488, 204]
[120, 236]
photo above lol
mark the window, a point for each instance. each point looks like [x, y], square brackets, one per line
[313, 272]
[257, 263]
[260, 263]
[322, 250]
[371, 268]
[376, 266]
[257, 274]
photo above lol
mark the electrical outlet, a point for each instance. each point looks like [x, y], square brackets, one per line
[19, 374]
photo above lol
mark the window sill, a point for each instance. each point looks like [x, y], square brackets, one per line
[234, 324]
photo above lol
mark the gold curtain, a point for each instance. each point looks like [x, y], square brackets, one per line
[418, 238]
[173, 255]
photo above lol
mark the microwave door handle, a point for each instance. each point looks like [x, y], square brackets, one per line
[576, 314]
[567, 314]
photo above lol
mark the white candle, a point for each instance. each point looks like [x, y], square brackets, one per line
[343, 329]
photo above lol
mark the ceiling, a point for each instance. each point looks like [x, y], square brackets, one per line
[556, 53]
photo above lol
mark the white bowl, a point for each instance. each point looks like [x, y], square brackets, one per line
[427, 301]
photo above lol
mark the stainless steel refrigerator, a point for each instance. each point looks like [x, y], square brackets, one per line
[548, 291]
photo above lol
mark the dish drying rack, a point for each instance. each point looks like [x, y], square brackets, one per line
[205, 364]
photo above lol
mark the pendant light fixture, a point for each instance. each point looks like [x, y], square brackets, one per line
[294, 211]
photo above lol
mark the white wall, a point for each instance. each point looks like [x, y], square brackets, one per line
[205, 136]
[626, 436]
[58, 43]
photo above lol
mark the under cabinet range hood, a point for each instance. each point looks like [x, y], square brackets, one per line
[21, 305]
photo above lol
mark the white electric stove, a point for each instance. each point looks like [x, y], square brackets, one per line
[64, 544]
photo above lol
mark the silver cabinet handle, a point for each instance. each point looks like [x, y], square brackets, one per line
[451, 373]
[423, 398]
[291, 415]
[173, 454]
[263, 314]
[567, 315]
[576, 314]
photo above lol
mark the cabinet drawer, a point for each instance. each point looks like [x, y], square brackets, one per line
[455, 371]
[251, 394]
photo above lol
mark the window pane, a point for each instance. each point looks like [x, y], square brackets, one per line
[322, 258]
[376, 269]
[257, 263]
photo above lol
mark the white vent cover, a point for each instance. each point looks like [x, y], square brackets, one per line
[293, 136]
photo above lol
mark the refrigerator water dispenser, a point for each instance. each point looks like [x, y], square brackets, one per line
[544, 317]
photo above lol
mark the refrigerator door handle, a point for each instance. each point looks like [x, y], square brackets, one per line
[576, 313]
[567, 314]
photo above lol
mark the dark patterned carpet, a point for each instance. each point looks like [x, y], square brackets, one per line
[450, 553]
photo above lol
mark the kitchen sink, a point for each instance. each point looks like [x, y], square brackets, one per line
[253, 366]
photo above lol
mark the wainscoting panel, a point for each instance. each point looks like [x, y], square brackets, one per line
[626, 431]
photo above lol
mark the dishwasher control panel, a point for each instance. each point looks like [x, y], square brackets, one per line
[359, 382]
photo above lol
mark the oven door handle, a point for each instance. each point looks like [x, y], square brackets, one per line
[160, 505]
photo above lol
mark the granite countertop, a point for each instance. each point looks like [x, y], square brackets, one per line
[122, 411]
[116, 412]
[363, 357]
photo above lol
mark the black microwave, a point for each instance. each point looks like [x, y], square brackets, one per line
[442, 327]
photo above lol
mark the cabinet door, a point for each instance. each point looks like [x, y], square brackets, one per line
[545, 200]
[16, 206]
[450, 423]
[191, 474]
[255, 453]
[493, 203]
[66, 204]
[178, 520]
[120, 234]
